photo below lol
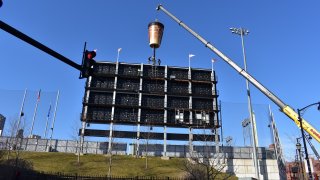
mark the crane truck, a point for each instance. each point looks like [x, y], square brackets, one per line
[286, 109]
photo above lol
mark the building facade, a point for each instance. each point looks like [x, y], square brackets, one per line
[296, 170]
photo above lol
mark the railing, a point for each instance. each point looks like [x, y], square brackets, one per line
[149, 101]
[202, 104]
[153, 87]
[98, 116]
[129, 70]
[202, 90]
[105, 69]
[178, 88]
[126, 116]
[102, 84]
[128, 85]
[99, 99]
[15, 174]
[201, 75]
[127, 100]
[173, 102]
[178, 74]
[153, 72]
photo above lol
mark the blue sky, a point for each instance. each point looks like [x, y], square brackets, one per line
[282, 51]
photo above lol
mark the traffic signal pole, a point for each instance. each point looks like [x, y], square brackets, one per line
[38, 45]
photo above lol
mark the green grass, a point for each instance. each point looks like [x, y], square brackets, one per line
[97, 165]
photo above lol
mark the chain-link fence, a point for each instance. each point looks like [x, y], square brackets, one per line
[96, 147]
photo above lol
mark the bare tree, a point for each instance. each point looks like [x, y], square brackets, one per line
[204, 163]
[1, 154]
[147, 136]
[75, 129]
[11, 132]
[15, 133]
[75, 135]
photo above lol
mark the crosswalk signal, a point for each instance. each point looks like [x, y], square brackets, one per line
[88, 63]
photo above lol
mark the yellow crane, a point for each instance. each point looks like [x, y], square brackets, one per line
[286, 109]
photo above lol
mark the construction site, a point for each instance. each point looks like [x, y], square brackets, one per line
[157, 110]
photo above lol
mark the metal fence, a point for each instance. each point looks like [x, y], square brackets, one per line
[21, 174]
[95, 147]
[66, 146]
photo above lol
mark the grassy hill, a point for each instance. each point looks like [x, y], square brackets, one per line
[98, 164]
[90, 164]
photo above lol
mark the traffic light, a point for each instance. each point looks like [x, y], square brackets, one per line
[88, 63]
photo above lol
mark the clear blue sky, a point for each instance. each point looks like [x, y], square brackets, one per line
[282, 50]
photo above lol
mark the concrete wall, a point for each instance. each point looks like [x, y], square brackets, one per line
[242, 168]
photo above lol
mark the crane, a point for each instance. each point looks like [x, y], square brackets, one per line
[312, 147]
[286, 109]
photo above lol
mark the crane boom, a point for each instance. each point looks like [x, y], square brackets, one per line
[313, 148]
[287, 110]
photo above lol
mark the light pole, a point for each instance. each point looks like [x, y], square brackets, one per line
[303, 136]
[119, 49]
[242, 32]
[190, 56]
[298, 146]
[212, 61]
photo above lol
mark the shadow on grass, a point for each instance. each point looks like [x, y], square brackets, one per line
[15, 169]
